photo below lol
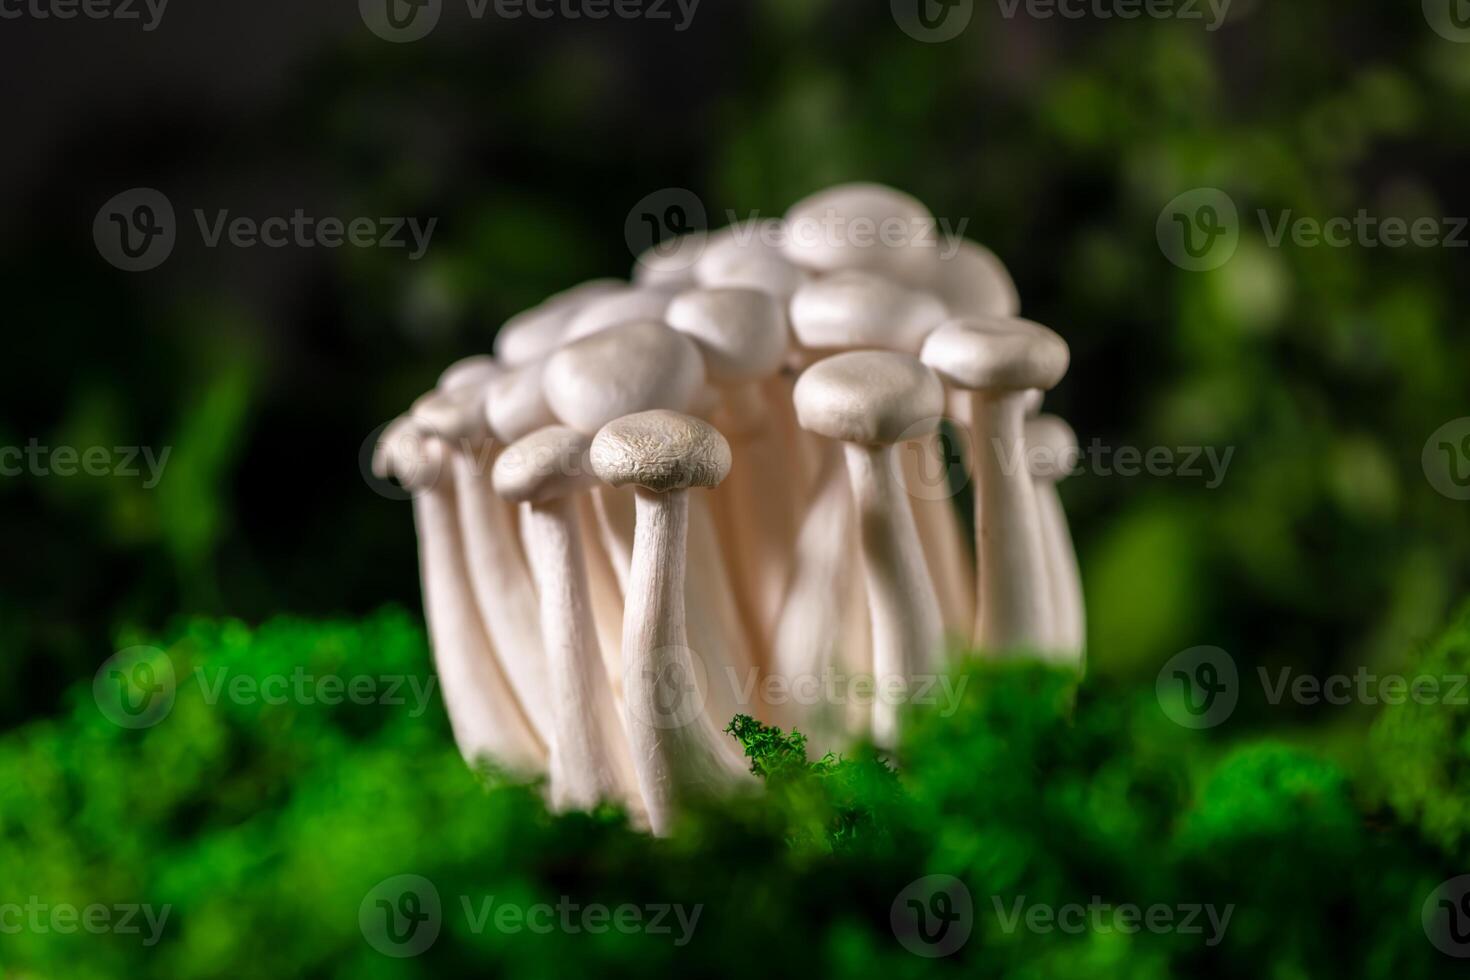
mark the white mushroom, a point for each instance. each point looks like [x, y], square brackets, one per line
[533, 334]
[972, 281]
[496, 569]
[614, 308]
[863, 226]
[869, 400]
[749, 256]
[996, 360]
[677, 750]
[743, 336]
[484, 715]
[589, 760]
[669, 265]
[1051, 448]
[468, 372]
[860, 309]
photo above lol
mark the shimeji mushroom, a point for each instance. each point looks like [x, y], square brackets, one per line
[620, 306]
[589, 760]
[531, 335]
[1051, 449]
[997, 360]
[635, 367]
[677, 750]
[870, 400]
[749, 256]
[972, 281]
[863, 226]
[497, 572]
[743, 336]
[669, 265]
[483, 712]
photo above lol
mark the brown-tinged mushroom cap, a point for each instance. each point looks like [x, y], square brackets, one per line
[629, 368]
[741, 332]
[548, 464]
[861, 309]
[660, 451]
[997, 354]
[869, 397]
[1051, 447]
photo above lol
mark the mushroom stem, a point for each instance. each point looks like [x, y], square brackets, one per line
[587, 736]
[903, 607]
[676, 749]
[951, 566]
[1014, 589]
[1069, 629]
[483, 713]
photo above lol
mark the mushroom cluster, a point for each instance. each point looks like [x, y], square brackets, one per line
[729, 487]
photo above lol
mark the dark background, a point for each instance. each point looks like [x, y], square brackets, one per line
[265, 370]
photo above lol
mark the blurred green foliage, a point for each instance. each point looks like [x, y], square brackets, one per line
[263, 829]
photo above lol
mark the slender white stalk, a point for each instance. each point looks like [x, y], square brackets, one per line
[1070, 625]
[951, 565]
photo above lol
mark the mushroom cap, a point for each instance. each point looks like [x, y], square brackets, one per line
[549, 464]
[973, 282]
[861, 309]
[741, 332]
[405, 452]
[629, 368]
[669, 265]
[620, 306]
[660, 451]
[750, 256]
[515, 404]
[869, 397]
[863, 226]
[993, 353]
[455, 414]
[533, 334]
[1051, 447]
[473, 370]
[1031, 400]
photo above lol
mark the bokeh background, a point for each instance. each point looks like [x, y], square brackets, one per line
[1337, 541]
[1059, 141]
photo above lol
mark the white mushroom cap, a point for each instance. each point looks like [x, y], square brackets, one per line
[455, 414]
[741, 332]
[1031, 401]
[860, 309]
[972, 281]
[997, 354]
[548, 464]
[622, 306]
[863, 226]
[629, 368]
[870, 397]
[533, 334]
[669, 265]
[1051, 447]
[515, 404]
[750, 256]
[660, 451]
[473, 370]
[406, 453]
